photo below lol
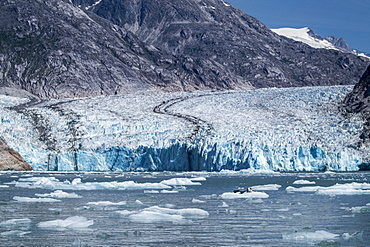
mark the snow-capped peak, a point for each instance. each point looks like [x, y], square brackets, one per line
[306, 36]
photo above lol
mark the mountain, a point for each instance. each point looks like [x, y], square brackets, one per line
[309, 37]
[74, 48]
[11, 160]
[358, 101]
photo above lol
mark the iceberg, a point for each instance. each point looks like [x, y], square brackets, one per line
[74, 222]
[294, 129]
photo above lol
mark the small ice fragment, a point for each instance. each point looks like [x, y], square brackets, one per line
[152, 217]
[303, 182]
[17, 233]
[60, 194]
[151, 191]
[224, 205]
[197, 201]
[29, 199]
[267, 187]
[307, 236]
[169, 191]
[198, 179]
[15, 222]
[231, 195]
[107, 203]
[179, 181]
[74, 222]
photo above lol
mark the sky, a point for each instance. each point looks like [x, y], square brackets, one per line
[349, 19]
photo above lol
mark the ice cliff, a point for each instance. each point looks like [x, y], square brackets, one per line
[295, 129]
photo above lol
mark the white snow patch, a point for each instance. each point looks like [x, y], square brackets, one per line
[74, 222]
[302, 35]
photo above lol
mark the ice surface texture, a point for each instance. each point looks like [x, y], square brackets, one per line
[296, 129]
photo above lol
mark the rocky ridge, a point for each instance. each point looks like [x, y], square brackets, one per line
[11, 160]
[74, 48]
[358, 101]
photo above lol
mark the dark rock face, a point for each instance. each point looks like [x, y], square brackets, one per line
[11, 160]
[63, 48]
[358, 101]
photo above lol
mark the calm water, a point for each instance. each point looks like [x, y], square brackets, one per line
[282, 219]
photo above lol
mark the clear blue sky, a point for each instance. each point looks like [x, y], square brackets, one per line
[349, 19]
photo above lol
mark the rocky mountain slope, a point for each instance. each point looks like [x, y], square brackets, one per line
[11, 160]
[72, 48]
[358, 101]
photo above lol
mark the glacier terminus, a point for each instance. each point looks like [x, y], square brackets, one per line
[291, 129]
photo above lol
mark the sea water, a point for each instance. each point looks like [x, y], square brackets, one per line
[184, 209]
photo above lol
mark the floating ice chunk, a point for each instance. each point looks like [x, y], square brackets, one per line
[75, 222]
[231, 195]
[187, 212]
[60, 194]
[29, 199]
[77, 184]
[304, 182]
[151, 191]
[267, 187]
[310, 236]
[179, 181]
[169, 191]
[197, 201]
[4, 186]
[345, 189]
[356, 235]
[124, 212]
[15, 222]
[107, 203]
[17, 233]
[152, 217]
[224, 205]
[198, 179]
[303, 189]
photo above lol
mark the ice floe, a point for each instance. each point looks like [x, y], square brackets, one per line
[74, 222]
[345, 189]
[77, 184]
[107, 203]
[17, 233]
[15, 222]
[304, 182]
[310, 236]
[160, 214]
[231, 195]
[266, 187]
[59, 194]
[181, 181]
[31, 199]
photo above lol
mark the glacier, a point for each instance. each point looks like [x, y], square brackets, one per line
[290, 129]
